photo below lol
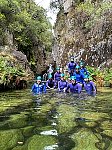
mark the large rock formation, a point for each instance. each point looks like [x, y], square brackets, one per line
[83, 29]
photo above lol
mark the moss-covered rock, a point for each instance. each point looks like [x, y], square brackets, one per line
[84, 140]
[18, 121]
[27, 131]
[94, 116]
[40, 142]
[10, 138]
[106, 125]
[66, 119]
[108, 132]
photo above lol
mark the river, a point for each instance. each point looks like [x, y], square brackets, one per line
[55, 121]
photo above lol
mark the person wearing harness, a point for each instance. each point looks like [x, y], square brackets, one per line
[62, 84]
[74, 86]
[38, 87]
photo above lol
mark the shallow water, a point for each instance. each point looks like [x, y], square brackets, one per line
[55, 121]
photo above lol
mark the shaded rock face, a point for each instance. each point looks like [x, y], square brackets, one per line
[40, 58]
[15, 71]
[84, 35]
[22, 59]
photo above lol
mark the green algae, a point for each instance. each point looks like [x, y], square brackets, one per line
[33, 121]
[66, 118]
[95, 116]
[10, 138]
[108, 132]
[40, 142]
[27, 130]
[84, 140]
[18, 120]
[106, 125]
[10, 101]
[45, 108]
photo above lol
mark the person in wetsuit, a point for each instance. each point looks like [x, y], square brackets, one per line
[38, 87]
[62, 84]
[50, 82]
[74, 87]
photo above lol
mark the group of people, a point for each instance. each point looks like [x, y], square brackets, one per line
[78, 79]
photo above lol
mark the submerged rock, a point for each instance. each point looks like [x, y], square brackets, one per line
[10, 138]
[40, 142]
[18, 121]
[66, 119]
[84, 140]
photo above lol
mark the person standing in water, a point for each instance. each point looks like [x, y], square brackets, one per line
[89, 86]
[38, 87]
[62, 84]
[50, 82]
[74, 86]
[71, 66]
[79, 75]
[57, 76]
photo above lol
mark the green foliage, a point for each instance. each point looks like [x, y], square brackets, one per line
[94, 11]
[106, 73]
[8, 69]
[28, 23]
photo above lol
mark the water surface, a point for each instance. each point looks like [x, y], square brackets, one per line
[55, 121]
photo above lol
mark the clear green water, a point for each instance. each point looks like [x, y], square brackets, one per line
[55, 121]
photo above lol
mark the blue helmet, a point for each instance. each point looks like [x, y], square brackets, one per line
[81, 64]
[57, 68]
[39, 78]
[86, 77]
[77, 67]
[62, 75]
[50, 76]
[73, 78]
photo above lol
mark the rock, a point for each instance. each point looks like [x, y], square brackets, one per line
[84, 140]
[66, 119]
[10, 138]
[27, 130]
[40, 142]
[84, 26]
[18, 120]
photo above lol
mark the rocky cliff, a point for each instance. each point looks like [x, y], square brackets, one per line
[84, 29]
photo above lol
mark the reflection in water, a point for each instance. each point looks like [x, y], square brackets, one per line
[56, 121]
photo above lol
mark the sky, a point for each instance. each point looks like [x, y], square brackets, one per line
[46, 5]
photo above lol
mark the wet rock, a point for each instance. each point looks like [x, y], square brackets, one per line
[94, 116]
[66, 119]
[106, 125]
[27, 130]
[10, 138]
[84, 140]
[40, 142]
[18, 120]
